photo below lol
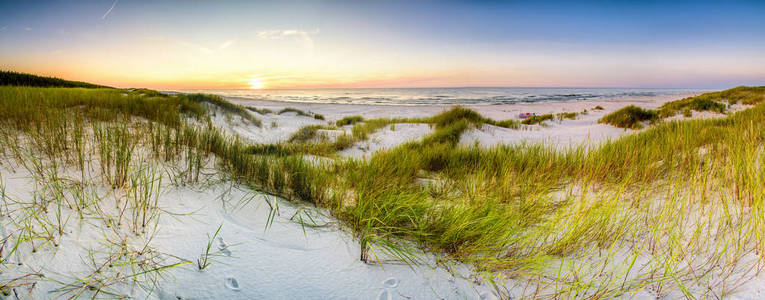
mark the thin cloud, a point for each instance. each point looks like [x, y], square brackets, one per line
[303, 36]
[226, 44]
[284, 33]
[3, 28]
[109, 11]
[206, 49]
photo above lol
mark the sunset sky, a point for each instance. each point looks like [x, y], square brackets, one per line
[307, 44]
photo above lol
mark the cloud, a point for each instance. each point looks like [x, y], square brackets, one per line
[3, 28]
[109, 11]
[300, 35]
[28, 28]
[226, 44]
[206, 49]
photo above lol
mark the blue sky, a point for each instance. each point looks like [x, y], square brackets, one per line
[208, 44]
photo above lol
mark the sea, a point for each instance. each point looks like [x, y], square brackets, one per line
[440, 96]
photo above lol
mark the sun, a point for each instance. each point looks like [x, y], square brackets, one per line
[256, 83]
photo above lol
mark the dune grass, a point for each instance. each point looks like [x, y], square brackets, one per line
[693, 103]
[295, 110]
[538, 119]
[675, 210]
[631, 117]
[219, 102]
[350, 120]
[262, 111]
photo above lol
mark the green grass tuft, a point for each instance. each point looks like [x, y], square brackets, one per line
[537, 119]
[262, 111]
[295, 110]
[629, 117]
[350, 120]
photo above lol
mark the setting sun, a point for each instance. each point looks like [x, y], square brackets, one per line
[256, 83]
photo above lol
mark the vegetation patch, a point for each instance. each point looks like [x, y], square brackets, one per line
[537, 119]
[262, 111]
[23, 79]
[295, 110]
[629, 117]
[225, 105]
[568, 115]
[349, 120]
[693, 103]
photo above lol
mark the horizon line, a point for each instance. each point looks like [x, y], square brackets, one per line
[453, 87]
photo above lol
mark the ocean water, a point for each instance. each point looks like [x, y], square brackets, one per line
[436, 96]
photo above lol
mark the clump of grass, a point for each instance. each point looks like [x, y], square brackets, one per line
[281, 149]
[295, 110]
[743, 94]
[693, 103]
[568, 115]
[449, 134]
[537, 119]
[598, 108]
[147, 92]
[225, 105]
[350, 120]
[318, 116]
[305, 134]
[204, 259]
[262, 111]
[459, 113]
[629, 117]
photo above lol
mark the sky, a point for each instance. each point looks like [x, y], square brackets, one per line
[349, 44]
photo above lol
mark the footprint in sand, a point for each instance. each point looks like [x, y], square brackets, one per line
[223, 247]
[388, 285]
[232, 284]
